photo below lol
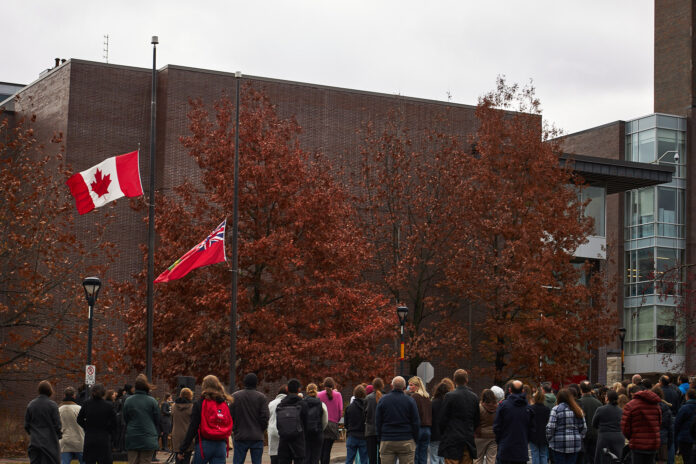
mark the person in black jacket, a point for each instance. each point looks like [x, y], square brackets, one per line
[607, 421]
[371, 402]
[666, 427]
[292, 449]
[538, 445]
[444, 387]
[460, 417]
[98, 418]
[166, 420]
[250, 417]
[355, 427]
[42, 423]
[513, 424]
[317, 419]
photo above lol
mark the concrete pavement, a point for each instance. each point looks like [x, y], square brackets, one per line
[338, 455]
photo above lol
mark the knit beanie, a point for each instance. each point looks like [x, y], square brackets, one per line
[250, 380]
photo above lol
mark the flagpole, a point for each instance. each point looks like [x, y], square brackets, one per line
[151, 217]
[235, 235]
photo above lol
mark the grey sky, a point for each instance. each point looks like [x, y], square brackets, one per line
[591, 60]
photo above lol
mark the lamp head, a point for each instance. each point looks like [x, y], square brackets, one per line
[402, 312]
[676, 157]
[92, 286]
[622, 333]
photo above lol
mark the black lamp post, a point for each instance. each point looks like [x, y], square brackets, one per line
[622, 337]
[402, 312]
[92, 286]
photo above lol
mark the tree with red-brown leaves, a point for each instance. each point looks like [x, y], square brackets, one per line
[43, 316]
[521, 215]
[406, 189]
[304, 309]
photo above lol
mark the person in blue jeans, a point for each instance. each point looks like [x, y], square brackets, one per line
[250, 416]
[417, 390]
[207, 451]
[356, 444]
[538, 445]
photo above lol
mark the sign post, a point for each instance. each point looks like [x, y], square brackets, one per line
[90, 375]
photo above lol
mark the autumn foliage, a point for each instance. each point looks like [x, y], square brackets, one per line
[304, 309]
[407, 186]
[522, 221]
[42, 262]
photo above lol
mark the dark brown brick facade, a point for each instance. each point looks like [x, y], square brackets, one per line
[104, 110]
[675, 50]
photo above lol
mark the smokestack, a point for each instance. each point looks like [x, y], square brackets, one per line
[57, 62]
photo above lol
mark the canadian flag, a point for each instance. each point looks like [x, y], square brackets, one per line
[109, 180]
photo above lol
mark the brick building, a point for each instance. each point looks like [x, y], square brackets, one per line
[653, 229]
[104, 109]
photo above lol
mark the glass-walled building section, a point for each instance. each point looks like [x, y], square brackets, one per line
[654, 243]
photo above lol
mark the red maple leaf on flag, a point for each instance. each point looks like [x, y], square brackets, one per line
[100, 186]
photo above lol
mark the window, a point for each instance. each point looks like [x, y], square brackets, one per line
[596, 207]
[666, 331]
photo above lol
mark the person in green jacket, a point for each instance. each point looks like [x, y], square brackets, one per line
[142, 415]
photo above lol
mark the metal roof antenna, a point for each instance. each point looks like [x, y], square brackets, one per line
[106, 48]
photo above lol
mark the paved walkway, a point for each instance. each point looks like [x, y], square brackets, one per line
[338, 455]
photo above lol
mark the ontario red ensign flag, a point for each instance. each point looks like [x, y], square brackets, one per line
[109, 180]
[209, 251]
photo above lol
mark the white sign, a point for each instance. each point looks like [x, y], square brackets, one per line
[90, 375]
[425, 371]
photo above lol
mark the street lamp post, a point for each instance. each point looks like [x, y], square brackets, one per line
[92, 286]
[622, 337]
[402, 312]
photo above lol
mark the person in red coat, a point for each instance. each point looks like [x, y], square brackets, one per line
[640, 424]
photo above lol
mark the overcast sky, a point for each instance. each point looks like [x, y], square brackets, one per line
[591, 60]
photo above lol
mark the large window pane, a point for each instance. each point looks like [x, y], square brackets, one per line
[666, 142]
[667, 205]
[645, 323]
[646, 146]
[645, 263]
[595, 207]
[643, 206]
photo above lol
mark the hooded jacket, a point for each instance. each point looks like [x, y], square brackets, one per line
[682, 423]
[181, 418]
[513, 425]
[641, 419]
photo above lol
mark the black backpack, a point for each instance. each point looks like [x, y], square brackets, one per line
[314, 415]
[289, 420]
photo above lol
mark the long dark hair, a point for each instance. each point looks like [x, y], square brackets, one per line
[329, 385]
[565, 396]
[445, 386]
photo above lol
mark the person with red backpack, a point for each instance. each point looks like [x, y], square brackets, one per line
[211, 424]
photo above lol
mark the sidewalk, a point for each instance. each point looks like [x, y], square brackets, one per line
[338, 455]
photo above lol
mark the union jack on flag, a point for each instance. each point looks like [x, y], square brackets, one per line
[217, 235]
[209, 251]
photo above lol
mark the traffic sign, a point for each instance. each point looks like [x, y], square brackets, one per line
[90, 375]
[426, 371]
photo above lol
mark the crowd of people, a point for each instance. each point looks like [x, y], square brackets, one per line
[630, 421]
